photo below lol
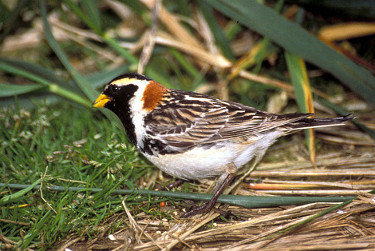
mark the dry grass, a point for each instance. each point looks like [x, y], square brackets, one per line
[344, 171]
[345, 165]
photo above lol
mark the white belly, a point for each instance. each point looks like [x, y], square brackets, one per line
[196, 163]
[199, 162]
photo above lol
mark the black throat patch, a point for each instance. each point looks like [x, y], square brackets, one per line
[120, 106]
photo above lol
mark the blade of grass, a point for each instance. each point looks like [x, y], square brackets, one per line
[185, 64]
[138, 8]
[25, 189]
[91, 17]
[92, 11]
[123, 52]
[36, 230]
[48, 79]
[216, 30]
[326, 211]
[239, 200]
[86, 88]
[301, 83]
[151, 72]
[256, 55]
[23, 70]
[350, 8]
[52, 87]
[232, 29]
[40, 71]
[9, 19]
[8, 90]
[346, 31]
[267, 22]
[113, 43]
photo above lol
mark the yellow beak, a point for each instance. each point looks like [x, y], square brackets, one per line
[100, 101]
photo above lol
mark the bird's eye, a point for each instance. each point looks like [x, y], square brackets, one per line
[115, 88]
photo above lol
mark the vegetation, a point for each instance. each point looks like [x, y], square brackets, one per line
[274, 55]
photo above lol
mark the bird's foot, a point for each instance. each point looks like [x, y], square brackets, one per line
[205, 208]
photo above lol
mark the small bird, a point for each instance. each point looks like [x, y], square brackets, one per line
[192, 136]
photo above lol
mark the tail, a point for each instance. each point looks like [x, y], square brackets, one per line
[306, 123]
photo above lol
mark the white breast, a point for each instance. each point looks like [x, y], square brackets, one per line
[194, 164]
[200, 162]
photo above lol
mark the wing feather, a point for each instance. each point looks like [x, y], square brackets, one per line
[190, 119]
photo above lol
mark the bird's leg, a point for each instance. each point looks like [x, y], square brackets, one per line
[247, 173]
[217, 192]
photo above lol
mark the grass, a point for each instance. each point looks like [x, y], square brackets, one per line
[67, 145]
[49, 135]
[64, 145]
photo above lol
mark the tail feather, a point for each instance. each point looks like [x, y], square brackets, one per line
[306, 123]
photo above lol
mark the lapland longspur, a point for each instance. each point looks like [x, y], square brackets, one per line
[192, 136]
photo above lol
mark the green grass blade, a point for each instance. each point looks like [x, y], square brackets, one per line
[92, 11]
[349, 8]
[301, 83]
[28, 102]
[36, 70]
[39, 73]
[56, 89]
[185, 64]
[36, 230]
[86, 88]
[25, 190]
[239, 200]
[8, 90]
[298, 41]
[216, 30]
[151, 71]
[8, 18]
[19, 71]
[138, 8]
[48, 79]
[52, 87]
[123, 52]
[91, 18]
[344, 203]
[255, 56]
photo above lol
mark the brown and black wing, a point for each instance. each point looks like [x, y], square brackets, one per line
[184, 120]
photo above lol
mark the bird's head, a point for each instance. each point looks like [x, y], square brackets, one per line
[130, 92]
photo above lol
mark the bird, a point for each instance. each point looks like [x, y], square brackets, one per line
[192, 136]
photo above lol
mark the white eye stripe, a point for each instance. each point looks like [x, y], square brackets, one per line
[124, 81]
[114, 88]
